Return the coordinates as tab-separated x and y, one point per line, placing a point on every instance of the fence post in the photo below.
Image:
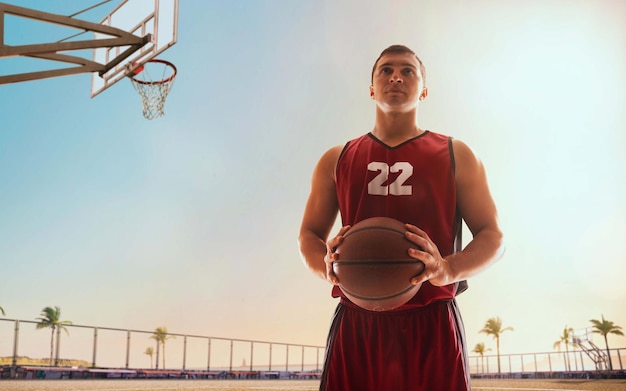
95	347
317	359
16	340
230	368
184	352
208	361
251	355
550	361
127	347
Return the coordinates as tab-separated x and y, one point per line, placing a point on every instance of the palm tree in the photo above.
149	352
160	336
493	327
480	349
50	318
604	328
2	311
565	337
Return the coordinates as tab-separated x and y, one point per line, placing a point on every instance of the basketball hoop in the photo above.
153	93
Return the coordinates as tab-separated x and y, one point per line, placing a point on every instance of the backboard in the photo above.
133	33
158	18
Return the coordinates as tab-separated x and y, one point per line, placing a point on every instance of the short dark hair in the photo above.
400	49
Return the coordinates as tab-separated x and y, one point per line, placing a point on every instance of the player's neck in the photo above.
396	128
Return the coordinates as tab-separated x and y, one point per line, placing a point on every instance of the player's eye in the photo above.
385	70
408	71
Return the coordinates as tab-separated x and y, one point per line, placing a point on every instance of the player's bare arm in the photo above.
319	217
478	209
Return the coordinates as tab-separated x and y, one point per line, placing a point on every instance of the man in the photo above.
430	182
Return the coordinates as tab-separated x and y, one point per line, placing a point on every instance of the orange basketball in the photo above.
374	268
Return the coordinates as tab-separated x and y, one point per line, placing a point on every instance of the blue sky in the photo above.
190	221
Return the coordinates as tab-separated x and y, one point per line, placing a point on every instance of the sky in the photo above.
190	220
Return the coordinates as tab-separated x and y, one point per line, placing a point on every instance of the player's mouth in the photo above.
395	91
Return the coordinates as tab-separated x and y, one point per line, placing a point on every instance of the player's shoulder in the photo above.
333	152
462	151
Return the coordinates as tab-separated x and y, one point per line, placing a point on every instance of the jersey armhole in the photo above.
339	158
451	151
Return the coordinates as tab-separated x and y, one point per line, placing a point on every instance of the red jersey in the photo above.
412	182
416	347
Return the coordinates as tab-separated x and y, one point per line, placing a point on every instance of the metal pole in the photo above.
230	368
302	363
550	361
208	360
127	347
184	352
95	347
270	357
317	359
16	340
582	362
287	359
251	354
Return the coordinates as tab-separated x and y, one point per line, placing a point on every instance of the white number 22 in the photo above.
397	187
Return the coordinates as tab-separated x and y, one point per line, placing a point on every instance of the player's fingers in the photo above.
331	245
329	259
415	229
419	279
332	277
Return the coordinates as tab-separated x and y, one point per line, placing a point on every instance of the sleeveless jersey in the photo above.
412	182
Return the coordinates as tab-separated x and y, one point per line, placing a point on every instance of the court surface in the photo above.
286	385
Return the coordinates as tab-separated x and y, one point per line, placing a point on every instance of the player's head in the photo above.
400	49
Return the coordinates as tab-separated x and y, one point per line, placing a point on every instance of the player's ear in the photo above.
372	92
424	93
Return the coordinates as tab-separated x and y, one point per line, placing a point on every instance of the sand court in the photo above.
288	385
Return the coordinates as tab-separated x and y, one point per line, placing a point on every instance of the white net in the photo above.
153	98
153	93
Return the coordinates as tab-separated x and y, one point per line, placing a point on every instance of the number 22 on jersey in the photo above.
379	186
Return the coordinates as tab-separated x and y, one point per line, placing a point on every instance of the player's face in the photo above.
397	83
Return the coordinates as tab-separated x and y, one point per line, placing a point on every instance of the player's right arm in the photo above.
319	217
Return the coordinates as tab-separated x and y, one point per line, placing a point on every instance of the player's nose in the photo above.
395	78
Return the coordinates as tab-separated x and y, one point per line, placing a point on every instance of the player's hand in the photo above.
437	269
331	254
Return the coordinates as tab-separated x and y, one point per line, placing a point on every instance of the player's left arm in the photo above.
478	209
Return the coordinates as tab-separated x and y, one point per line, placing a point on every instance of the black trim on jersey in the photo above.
451	149
461	286
339	159
399	145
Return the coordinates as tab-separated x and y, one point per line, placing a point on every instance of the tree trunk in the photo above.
608	352
51	346
498	348
56	355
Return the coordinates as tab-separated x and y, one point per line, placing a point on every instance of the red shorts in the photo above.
420	349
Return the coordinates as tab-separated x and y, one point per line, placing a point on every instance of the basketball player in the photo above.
430	182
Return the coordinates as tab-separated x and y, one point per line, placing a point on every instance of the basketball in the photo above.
374	268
